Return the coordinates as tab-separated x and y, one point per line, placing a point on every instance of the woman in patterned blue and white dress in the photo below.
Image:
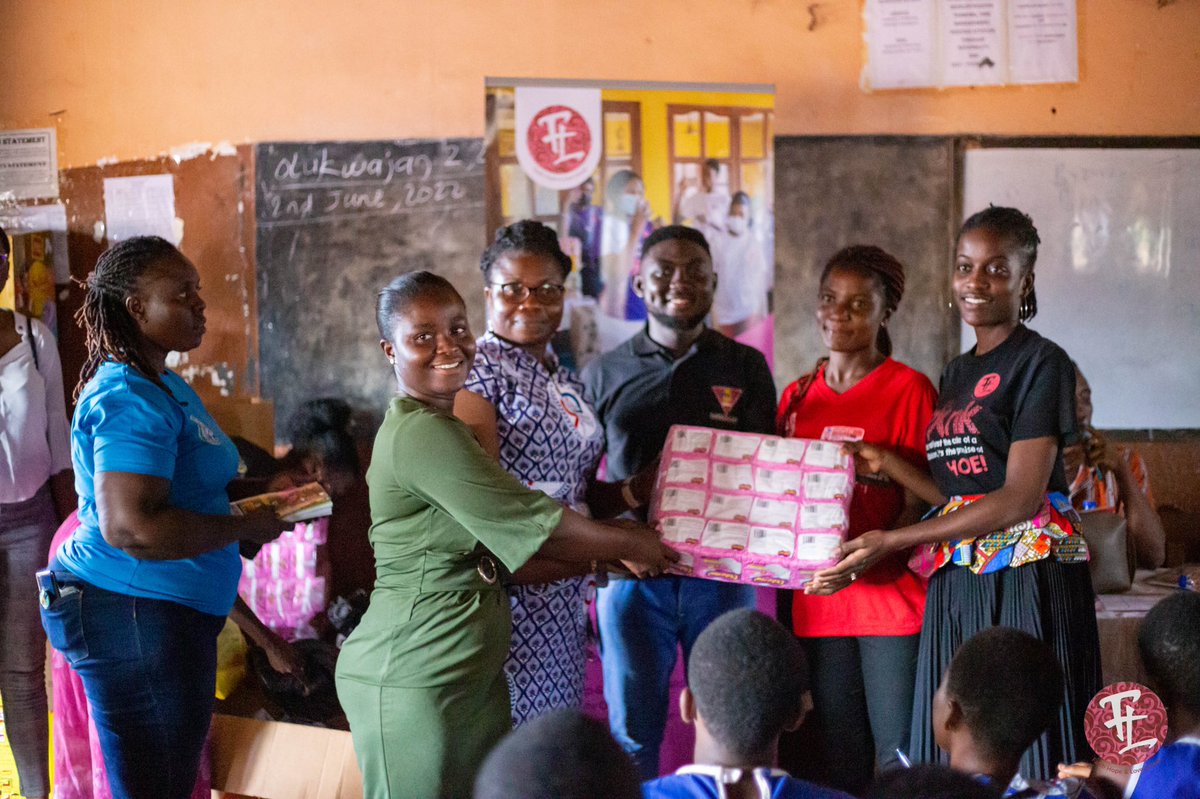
529	412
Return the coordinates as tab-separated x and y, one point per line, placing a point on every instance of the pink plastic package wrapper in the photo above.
749	508
284	585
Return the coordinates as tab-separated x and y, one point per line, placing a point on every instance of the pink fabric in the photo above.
761	337
78	762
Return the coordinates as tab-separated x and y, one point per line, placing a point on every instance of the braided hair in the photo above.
1016	227
879	264
525	236
111	333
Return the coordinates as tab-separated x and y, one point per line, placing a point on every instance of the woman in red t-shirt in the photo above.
861	642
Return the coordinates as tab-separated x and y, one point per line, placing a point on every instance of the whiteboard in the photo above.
1118	270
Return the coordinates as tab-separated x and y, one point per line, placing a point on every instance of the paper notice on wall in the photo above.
901	44
29	164
932	43
140	206
972	48
1043	41
34	218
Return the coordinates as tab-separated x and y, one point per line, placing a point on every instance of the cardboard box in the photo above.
273	760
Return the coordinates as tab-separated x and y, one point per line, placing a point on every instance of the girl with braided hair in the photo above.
1004	547
862	643
156	554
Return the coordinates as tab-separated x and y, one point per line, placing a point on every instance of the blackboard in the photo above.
335	222
894	192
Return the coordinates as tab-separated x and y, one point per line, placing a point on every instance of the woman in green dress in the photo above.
421	678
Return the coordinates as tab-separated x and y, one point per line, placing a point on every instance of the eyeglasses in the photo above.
547	293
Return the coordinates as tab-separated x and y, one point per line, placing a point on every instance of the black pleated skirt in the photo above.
1047	599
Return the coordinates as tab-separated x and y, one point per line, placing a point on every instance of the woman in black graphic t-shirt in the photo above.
994	444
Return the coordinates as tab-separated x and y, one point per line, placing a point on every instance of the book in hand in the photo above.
298	504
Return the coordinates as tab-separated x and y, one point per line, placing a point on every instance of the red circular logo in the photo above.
1125	723
559	139
986	385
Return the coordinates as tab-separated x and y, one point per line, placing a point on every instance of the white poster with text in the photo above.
29	164
948	43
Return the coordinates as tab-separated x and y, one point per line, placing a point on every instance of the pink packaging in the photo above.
283	584
748	508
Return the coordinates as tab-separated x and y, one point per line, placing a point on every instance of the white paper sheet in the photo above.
1043	41
29	164
140	206
943	43
973	47
900	44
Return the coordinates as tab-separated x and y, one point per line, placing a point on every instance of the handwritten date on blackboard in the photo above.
311	182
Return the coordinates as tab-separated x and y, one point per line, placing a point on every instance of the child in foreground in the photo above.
1169	641
1002	690
561	754
748	683
928	781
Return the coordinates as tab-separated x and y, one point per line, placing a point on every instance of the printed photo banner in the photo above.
605	163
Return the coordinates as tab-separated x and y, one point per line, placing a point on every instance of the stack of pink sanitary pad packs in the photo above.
755	509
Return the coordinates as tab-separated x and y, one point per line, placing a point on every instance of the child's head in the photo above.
929	782
323	444
747	683
560	755
975	699
1169	641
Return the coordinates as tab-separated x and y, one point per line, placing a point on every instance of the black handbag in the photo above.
1113	559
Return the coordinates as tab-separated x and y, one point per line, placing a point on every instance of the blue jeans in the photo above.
642	623
148	668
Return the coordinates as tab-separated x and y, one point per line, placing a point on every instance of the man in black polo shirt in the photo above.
676	371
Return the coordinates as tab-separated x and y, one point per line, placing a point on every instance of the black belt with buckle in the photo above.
488	570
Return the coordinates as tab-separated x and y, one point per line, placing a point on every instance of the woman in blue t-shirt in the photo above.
157	552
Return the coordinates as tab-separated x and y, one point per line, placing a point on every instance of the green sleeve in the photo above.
438	459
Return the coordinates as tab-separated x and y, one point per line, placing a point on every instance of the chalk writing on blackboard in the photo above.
312	182
337	220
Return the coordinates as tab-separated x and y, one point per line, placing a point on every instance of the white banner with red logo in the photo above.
558	134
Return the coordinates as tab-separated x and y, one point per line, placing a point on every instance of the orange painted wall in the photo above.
133	78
